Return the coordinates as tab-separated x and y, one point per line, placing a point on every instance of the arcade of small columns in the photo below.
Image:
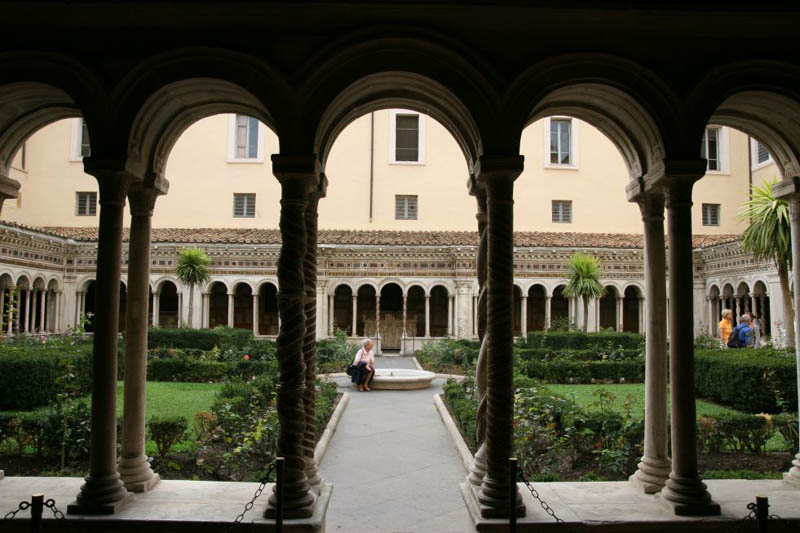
740	301
676	478
29	308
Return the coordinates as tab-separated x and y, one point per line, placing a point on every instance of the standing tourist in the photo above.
725	327
755	325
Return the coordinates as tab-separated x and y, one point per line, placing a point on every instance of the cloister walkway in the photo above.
393	464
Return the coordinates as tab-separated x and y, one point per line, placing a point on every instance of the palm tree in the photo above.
769	237
584	274
192	269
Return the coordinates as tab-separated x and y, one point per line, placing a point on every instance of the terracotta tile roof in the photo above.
533	239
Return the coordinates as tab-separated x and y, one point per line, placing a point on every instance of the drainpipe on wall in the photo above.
371	159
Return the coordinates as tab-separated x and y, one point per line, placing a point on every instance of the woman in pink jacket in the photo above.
365	366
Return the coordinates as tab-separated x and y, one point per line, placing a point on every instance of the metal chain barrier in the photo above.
249	505
535	494
51	504
21	507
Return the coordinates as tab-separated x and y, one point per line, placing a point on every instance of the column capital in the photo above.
490	168
9	188
301	172
143	199
787	189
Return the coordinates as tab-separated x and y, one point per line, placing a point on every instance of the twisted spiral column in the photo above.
478	468
298	497
494	492
310	342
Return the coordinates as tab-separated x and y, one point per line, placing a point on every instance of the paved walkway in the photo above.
393	465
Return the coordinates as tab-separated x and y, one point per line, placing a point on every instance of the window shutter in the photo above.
252	144
86	149
711	214
562	211
86	203
238	205
763	153
405	207
406	138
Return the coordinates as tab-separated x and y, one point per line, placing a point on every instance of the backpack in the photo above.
733	338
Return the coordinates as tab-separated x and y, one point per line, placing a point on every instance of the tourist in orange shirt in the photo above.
725	327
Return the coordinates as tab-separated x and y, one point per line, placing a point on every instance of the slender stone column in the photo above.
180	309
548	301
354	330
103	491
134	469
297	182
498	176
231	307
523	316
10	324
684	491
57	313
255	313
28	313
310	339
620	313
642	316
377	316
331	311
478	468
427	315
655	465
42	327
206	310
405	313
789	190
449	316
474	315
2	306
156	308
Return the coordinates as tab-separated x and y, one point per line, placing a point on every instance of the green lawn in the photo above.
584	396
170	399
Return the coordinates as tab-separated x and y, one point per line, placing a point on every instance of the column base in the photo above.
100	496
478	468
687	497
136	474
2	475
478	509
651	475
792	477
493	500
316	508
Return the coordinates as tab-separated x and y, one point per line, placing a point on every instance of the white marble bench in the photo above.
401	379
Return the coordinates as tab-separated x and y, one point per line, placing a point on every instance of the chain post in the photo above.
512	494
37	507
762	513
280	481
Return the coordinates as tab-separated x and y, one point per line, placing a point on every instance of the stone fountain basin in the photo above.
401	379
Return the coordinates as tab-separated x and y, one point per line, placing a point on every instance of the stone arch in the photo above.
439	309
387	281
343	308
608	311
238	282
217	303
159	283
37	89
368	71
632	308
242	305
268	321
761	302
366	297
537	307
264	282
23	280
212	282
415	325
38	283
760	98
168	302
165	93
54	283
559	308
391	315
632	106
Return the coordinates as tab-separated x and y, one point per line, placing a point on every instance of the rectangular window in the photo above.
86	204
560	141
762	154
710	148
86	150
711	214
406	138
405	207
246	137
562	210
244	205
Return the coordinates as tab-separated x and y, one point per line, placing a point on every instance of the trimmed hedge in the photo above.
28	374
570	371
550	354
755	381
200	371
201	339
583	341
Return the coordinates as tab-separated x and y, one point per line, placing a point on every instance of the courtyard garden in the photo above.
579	405
210	404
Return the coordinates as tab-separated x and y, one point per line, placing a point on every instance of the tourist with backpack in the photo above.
742	334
